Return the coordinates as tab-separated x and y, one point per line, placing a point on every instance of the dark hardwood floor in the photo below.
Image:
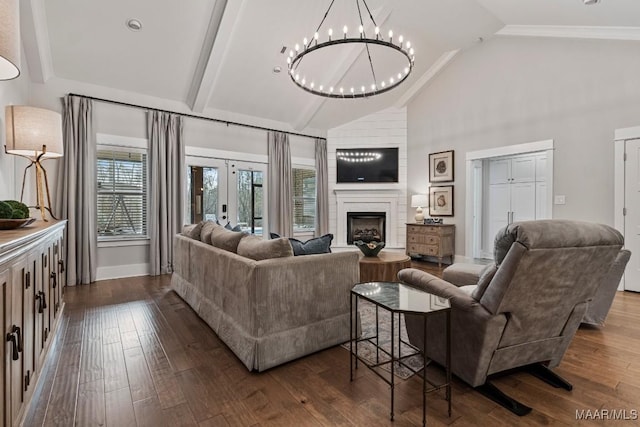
130	352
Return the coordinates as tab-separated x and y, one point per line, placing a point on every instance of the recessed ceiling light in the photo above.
134	24
277	69
591	1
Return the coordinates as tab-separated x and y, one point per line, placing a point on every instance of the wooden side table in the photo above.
435	240
384	267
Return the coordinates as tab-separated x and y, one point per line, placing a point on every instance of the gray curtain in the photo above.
76	193
322	188
166	171
280	184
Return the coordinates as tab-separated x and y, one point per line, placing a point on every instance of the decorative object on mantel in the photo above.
431	221
441	166
398	60
419	201
441	200
9	39
36	135
369	249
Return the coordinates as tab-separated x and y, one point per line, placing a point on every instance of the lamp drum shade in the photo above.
419	201
9	39
31	128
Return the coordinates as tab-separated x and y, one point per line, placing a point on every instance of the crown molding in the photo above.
433	71
574	32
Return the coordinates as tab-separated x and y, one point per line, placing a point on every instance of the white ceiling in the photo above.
220	54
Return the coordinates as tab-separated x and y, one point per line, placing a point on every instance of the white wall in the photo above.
512	90
129	259
387	128
12	92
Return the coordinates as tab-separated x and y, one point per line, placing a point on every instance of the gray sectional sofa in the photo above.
268	310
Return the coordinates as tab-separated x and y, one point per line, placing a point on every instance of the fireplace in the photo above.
366	226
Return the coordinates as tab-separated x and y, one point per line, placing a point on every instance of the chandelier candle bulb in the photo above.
390	36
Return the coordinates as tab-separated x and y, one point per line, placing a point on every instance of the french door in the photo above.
228	191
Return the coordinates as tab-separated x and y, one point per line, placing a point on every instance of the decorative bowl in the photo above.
9	224
369	249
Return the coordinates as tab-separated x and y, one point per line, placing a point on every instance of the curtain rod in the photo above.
193	116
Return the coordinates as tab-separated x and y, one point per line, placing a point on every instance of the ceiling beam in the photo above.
214	49
433	71
35	38
575	32
343	63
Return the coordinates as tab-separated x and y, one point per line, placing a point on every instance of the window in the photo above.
304	199
250	200
122	192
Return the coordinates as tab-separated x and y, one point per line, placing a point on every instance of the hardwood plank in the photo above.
119	408
114	367
164	379
91	360
91	404
179	416
149	413
201	402
140	382
217	421
62	402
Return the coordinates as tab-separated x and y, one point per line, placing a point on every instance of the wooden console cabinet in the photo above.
32	280
436	240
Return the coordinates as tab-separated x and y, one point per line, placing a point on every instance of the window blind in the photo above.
121	192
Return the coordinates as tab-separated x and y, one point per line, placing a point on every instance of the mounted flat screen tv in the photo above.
367	165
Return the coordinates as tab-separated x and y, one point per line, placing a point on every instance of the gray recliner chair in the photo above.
524	312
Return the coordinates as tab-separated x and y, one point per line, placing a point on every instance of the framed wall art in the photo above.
441	200
441	166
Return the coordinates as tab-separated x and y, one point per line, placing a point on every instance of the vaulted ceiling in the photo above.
220	55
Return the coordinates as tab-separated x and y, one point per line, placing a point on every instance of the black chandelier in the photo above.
372	86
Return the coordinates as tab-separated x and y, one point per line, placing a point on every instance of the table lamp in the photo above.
35	134
418	201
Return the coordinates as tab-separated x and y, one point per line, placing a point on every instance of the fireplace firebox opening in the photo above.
366	226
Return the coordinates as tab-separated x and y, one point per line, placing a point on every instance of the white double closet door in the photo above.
517	191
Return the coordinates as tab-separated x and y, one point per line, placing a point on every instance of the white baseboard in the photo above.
120	271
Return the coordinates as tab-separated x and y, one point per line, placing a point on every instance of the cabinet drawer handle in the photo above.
11	337
27	281
61	264
54	280
42	301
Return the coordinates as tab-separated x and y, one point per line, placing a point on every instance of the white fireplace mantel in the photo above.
367	200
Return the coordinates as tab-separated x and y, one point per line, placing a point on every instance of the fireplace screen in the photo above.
365	226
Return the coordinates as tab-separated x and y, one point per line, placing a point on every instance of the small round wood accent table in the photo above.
384	267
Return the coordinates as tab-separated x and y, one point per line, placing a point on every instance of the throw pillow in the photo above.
256	248
207	229
317	245
229	227
195	231
502	244
187	228
225	239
